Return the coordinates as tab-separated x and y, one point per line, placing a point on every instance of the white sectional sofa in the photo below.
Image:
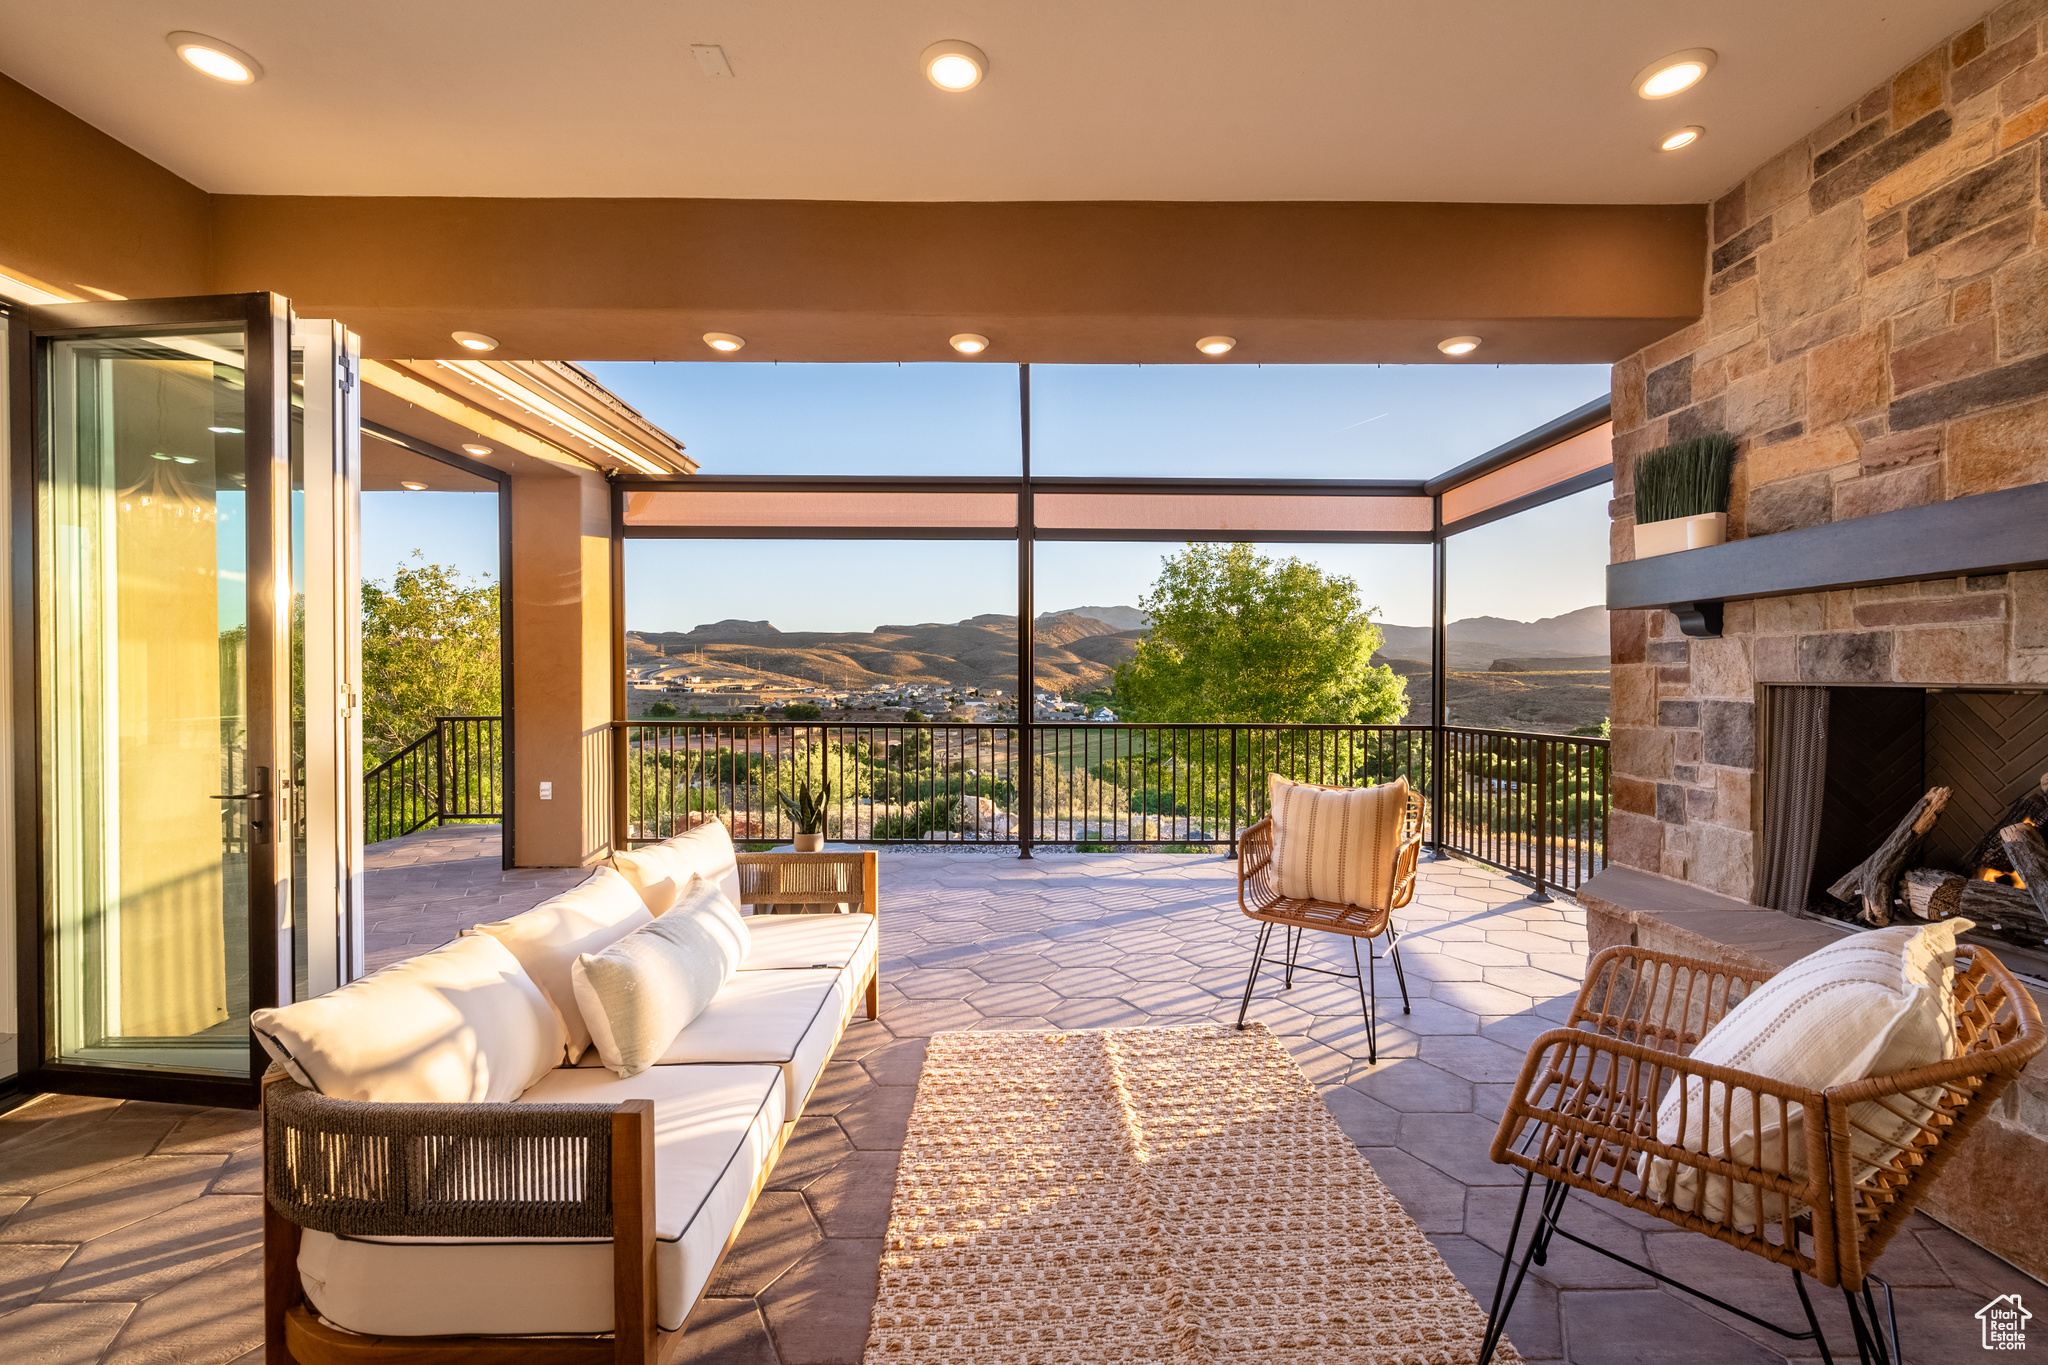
437	1183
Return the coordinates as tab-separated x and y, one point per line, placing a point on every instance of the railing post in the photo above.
1233	791
440	770
1026	784
1542	789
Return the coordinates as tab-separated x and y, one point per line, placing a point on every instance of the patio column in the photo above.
561	704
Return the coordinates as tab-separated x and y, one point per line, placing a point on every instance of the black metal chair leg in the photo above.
1812	1319
1367	1004
1505	1292
1294	937
1251	977
1891	1313
1394	951
1871	1348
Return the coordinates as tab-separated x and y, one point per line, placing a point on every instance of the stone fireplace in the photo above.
1874	334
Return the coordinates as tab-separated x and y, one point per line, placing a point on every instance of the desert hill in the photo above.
1551	673
1123	618
1476	641
1074	652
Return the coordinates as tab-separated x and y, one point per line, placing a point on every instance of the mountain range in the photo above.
1076	648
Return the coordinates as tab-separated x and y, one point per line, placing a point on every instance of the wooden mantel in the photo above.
1981	534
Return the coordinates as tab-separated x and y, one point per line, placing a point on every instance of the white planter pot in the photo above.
1681	533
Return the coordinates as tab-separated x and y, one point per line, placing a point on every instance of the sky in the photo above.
1306	421
447	528
1226	421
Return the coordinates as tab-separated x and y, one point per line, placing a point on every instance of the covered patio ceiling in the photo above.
1209	101
574	183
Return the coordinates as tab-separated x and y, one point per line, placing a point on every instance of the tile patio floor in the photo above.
128	1232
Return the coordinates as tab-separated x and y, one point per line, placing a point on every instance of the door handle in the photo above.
258	797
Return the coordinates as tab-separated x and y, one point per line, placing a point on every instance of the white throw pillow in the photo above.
549	938
461	1023
1336	844
659	871
643	990
1874	1004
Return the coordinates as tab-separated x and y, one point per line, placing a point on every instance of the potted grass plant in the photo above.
1681	495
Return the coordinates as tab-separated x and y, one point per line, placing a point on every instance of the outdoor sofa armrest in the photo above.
355	1168
819	879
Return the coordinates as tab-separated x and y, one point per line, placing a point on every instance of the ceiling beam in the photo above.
643	279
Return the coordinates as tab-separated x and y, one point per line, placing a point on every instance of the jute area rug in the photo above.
1157	1194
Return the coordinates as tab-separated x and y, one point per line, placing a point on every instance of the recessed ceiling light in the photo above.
215	58
1458	345
1681	139
724	341
476	449
1680	71
474	341
953	65
1215	345
968	343
408	483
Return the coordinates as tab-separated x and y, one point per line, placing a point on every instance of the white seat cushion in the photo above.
714	1127
463	1022
848	943
660	871
791	1019
547	940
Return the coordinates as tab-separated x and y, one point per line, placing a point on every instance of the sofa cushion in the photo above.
660	871
714	1130
1336	844
641	991
463	1022
791	1019
549	938
1871	1005
846	943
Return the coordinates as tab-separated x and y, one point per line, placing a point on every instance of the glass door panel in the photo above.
154	478
144	618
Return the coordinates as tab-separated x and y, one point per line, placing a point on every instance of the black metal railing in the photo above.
1535	805
451	774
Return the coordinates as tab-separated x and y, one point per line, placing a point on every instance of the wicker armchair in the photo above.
1258	895
1584	1117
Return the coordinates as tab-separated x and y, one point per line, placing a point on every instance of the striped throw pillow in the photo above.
1336	843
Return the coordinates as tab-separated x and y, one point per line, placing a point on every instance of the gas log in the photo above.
2029	858
2032	808
1871	882
2005	911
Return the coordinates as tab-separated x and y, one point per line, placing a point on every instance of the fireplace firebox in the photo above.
1844	765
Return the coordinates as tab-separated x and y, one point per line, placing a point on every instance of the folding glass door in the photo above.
162	726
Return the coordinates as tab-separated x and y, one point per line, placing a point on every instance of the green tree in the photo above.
1237	636
430	648
661	710
803	710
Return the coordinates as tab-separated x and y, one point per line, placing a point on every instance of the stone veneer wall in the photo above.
1875	334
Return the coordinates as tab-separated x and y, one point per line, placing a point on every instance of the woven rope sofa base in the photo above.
1150	1194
